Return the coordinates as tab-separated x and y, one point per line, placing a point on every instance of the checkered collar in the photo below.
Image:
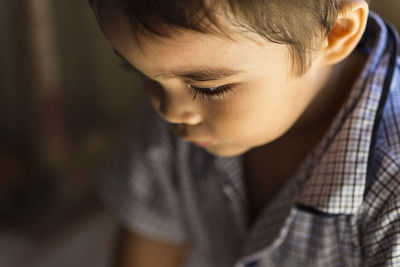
336	177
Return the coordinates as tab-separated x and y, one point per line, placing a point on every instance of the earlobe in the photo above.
346	33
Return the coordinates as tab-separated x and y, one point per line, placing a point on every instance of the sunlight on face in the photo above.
226	95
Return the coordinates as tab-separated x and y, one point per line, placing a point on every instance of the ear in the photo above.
346	32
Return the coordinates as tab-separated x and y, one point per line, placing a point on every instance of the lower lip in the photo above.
202	144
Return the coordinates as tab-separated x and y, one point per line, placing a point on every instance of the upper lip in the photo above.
183	133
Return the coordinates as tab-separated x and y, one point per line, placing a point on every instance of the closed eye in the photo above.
211	93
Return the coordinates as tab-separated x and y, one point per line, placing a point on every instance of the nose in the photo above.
179	108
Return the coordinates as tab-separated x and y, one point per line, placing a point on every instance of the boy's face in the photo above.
253	98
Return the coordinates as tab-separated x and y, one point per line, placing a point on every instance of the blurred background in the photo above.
64	106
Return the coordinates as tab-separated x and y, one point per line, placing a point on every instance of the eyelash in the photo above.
212	93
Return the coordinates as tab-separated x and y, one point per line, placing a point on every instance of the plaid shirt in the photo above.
341	208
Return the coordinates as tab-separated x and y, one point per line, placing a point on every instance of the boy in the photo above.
279	143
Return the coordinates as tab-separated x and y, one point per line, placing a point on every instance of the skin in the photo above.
269	116
265	100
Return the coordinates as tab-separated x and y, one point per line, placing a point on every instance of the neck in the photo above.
334	89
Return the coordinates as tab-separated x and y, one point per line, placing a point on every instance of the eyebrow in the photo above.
200	75
207	74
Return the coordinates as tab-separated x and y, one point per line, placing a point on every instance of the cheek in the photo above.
256	114
237	116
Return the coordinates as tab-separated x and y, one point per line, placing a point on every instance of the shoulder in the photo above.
142	160
381	210
381	206
150	139
384	191
384	187
389	129
138	182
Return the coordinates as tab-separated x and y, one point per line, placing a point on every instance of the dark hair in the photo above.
297	23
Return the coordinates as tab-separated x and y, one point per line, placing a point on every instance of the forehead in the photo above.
183	49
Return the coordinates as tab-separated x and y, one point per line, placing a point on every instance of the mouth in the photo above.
183	134
198	143
202	144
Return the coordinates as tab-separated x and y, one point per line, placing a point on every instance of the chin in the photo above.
226	151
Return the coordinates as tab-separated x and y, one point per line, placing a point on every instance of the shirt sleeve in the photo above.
138	183
381	238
